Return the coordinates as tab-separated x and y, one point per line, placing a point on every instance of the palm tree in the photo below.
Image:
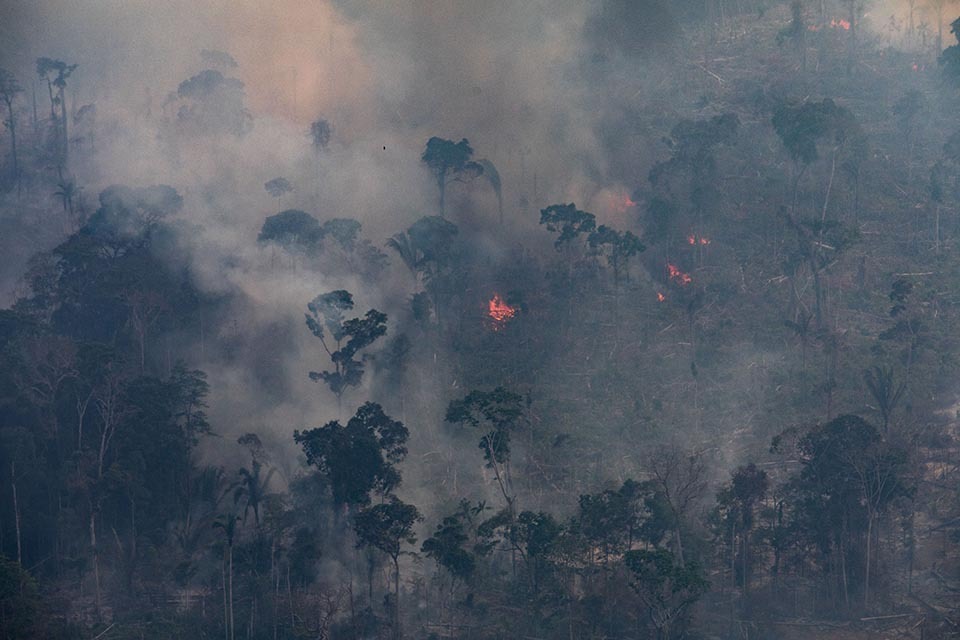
228	523
402	244
66	190
885	391
253	488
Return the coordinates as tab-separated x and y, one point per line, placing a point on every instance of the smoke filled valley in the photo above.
439	319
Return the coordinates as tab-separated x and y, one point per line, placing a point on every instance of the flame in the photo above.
660	297
621	203
500	312
840	24
681	278
691	240
695	240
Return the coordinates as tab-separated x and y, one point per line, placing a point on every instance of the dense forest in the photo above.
603	320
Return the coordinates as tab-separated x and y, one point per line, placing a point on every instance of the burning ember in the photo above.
695	240
681	278
499	312
660	297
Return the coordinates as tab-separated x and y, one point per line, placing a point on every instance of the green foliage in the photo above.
358	457
326	311
802	126
449	161
666	587
292	228
21	607
448	544
387	526
950	57
568	221
499	411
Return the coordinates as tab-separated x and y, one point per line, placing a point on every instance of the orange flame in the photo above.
840	24
660	297
694	240
681	278
621	203
500	312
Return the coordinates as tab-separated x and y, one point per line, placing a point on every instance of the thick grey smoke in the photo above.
387	76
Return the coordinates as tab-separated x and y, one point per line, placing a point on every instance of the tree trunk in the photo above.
13	141
96	556
226	607
66	138
396	598
230	586
866	577
16	511
442	185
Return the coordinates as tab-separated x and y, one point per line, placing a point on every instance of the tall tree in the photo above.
56	73
277	188
326	320
498	413
358	457
9	88
450	162
387	526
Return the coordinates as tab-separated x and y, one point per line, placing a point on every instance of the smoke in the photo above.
548	91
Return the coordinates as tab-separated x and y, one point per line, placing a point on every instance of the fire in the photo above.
500	312
621	203
835	24
693	240
660	297
681	278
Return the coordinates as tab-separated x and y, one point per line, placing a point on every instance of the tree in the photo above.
21	612
680	478
358	457
493	177
450	162
950	57
617	246
447	545
344	231
499	413
277	188
326	316
292	229
737	504
252	488
568	221
210	103
56	73
228	524
320	133
666	586
9	88
849	477
887	394
387	526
